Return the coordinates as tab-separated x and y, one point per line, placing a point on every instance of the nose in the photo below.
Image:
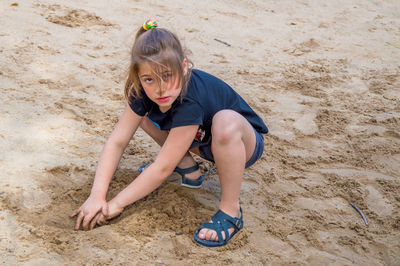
161	88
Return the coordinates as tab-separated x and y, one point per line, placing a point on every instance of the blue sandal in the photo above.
220	222
185	182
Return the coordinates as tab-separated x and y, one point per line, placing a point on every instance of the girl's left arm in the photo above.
176	145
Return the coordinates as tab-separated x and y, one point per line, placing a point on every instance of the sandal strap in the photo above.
142	167
221	216
183	171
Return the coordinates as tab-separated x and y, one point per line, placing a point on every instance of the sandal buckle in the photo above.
238	223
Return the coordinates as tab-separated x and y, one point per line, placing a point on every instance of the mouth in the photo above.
163	99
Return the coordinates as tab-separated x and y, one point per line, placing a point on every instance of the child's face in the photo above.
162	90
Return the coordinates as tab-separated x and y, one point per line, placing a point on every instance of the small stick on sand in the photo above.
360	212
391	44
227	44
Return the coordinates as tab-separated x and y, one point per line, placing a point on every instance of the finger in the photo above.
86	221
93	222
104	210
79	220
75	212
101	219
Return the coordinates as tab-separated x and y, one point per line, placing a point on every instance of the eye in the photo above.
148	80
166	76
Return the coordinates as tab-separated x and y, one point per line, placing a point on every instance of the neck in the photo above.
164	109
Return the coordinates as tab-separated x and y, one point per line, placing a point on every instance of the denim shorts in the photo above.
205	150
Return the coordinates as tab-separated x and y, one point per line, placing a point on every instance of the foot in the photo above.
219	231
209	234
186	164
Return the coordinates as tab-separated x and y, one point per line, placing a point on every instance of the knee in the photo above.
225	127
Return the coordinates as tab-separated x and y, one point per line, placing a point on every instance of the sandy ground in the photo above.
324	75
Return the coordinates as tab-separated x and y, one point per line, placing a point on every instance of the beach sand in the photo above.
324	76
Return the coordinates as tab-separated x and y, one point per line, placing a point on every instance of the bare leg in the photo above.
160	136
233	144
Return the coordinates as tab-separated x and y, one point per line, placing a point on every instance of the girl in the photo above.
182	109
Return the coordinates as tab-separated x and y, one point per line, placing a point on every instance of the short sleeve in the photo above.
139	105
188	113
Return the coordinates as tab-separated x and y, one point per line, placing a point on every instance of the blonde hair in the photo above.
162	50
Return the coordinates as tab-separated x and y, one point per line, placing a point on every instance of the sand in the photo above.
323	75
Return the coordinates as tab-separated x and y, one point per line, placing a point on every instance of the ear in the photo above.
185	66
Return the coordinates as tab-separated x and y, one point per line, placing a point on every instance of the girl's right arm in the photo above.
108	162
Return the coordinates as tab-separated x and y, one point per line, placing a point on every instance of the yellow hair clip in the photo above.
150	24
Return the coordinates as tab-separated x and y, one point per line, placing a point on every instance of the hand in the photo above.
113	210
88	211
